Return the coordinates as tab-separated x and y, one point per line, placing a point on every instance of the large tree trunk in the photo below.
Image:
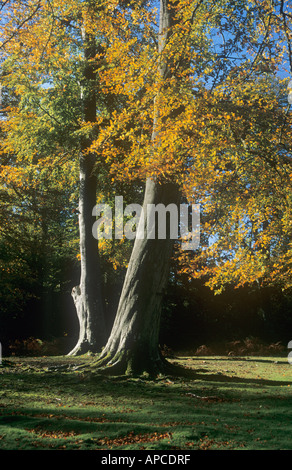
88	296
133	346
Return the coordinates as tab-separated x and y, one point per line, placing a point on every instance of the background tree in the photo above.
48	81
39	244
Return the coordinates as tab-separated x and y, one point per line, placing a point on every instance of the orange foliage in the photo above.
224	133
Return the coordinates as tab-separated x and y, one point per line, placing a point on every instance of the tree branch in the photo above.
22	23
286	31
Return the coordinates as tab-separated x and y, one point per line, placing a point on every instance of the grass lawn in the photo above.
222	403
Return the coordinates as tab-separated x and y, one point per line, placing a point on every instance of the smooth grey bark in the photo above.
133	346
88	296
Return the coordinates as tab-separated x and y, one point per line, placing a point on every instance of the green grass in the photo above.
222	403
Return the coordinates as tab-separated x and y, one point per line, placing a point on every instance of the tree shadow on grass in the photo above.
179	371
172	369
84	409
269	360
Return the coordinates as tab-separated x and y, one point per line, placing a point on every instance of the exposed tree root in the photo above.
123	364
82	348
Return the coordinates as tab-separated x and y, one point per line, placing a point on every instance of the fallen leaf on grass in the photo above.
178	423
206	443
209	399
132	438
52	434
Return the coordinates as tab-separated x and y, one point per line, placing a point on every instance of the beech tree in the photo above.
133	346
194	113
207	132
88	296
